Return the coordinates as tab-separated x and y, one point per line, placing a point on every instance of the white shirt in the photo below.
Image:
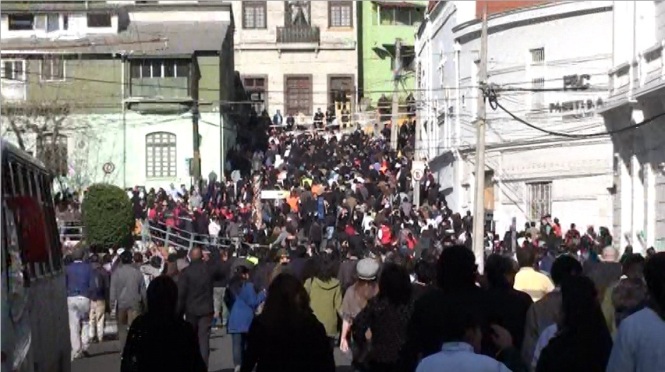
543	340
639	345
214	228
460	357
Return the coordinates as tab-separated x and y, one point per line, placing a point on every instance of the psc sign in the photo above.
417	174
108	168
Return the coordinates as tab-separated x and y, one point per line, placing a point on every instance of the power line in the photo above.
493	102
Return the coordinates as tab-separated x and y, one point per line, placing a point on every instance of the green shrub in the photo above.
107	217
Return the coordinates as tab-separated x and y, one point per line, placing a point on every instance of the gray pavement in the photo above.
105	356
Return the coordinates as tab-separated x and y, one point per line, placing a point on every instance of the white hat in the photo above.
367	269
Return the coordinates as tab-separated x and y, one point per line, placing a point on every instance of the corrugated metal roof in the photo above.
140	38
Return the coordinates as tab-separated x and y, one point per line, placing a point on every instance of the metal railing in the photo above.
307	34
167	236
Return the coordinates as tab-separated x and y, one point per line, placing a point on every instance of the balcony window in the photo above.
340	13
52	69
99	20
160	77
160	152
254	15
257	89
21	22
13	70
399	16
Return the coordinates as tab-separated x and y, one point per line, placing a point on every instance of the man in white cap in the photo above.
357	295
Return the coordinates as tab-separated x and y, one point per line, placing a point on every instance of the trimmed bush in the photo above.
107	217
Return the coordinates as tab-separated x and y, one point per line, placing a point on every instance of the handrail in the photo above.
171	237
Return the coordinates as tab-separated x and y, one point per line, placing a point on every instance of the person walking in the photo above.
80	281
98	296
195	297
128	294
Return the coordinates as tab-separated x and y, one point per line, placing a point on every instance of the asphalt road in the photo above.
105	356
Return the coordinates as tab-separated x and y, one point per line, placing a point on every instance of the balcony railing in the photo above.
13	90
172	87
305	35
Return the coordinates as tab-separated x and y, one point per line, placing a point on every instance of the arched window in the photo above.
160	155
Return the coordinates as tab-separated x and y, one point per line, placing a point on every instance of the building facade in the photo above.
634	115
542	77
296	56
380	24
110	92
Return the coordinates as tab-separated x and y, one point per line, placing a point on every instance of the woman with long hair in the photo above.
582	341
287	336
242	299
158	340
383	322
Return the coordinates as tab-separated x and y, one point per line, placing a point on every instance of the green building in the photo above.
381	23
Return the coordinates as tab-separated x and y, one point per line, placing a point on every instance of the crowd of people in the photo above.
349	261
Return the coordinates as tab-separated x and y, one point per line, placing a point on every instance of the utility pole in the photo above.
196	139
394	128
417	156
479	215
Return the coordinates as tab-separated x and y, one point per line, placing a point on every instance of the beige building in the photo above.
296	56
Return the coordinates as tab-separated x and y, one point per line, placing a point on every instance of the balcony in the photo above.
644	75
13	90
168	88
298	35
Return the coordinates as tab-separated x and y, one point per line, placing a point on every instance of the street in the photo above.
105	357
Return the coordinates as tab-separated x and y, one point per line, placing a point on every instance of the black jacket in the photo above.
195	285
302	348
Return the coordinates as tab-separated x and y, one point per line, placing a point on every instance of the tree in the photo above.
107	217
41	128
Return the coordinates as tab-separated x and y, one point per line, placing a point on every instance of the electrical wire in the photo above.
494	103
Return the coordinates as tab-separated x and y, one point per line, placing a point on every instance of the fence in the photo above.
166	236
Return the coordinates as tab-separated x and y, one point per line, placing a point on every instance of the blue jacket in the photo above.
244	307
80	279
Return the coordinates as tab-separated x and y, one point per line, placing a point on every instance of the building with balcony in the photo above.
544	75
634	113
297	56
380	24
115	89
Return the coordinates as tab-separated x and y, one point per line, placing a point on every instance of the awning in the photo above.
399	4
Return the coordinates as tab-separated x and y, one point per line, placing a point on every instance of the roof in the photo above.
140	38
400	4
9	7
182	38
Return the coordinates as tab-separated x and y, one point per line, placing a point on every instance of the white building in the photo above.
637	95
127	79
294	56
546	73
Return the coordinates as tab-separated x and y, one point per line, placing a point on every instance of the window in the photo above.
52	68
298	95
53	153
539	199
157	68
52	22
340	13
254	15
256	88
21	22
538	95
297	13
399	16
99	20
160	154
340	89
13	70
537	56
